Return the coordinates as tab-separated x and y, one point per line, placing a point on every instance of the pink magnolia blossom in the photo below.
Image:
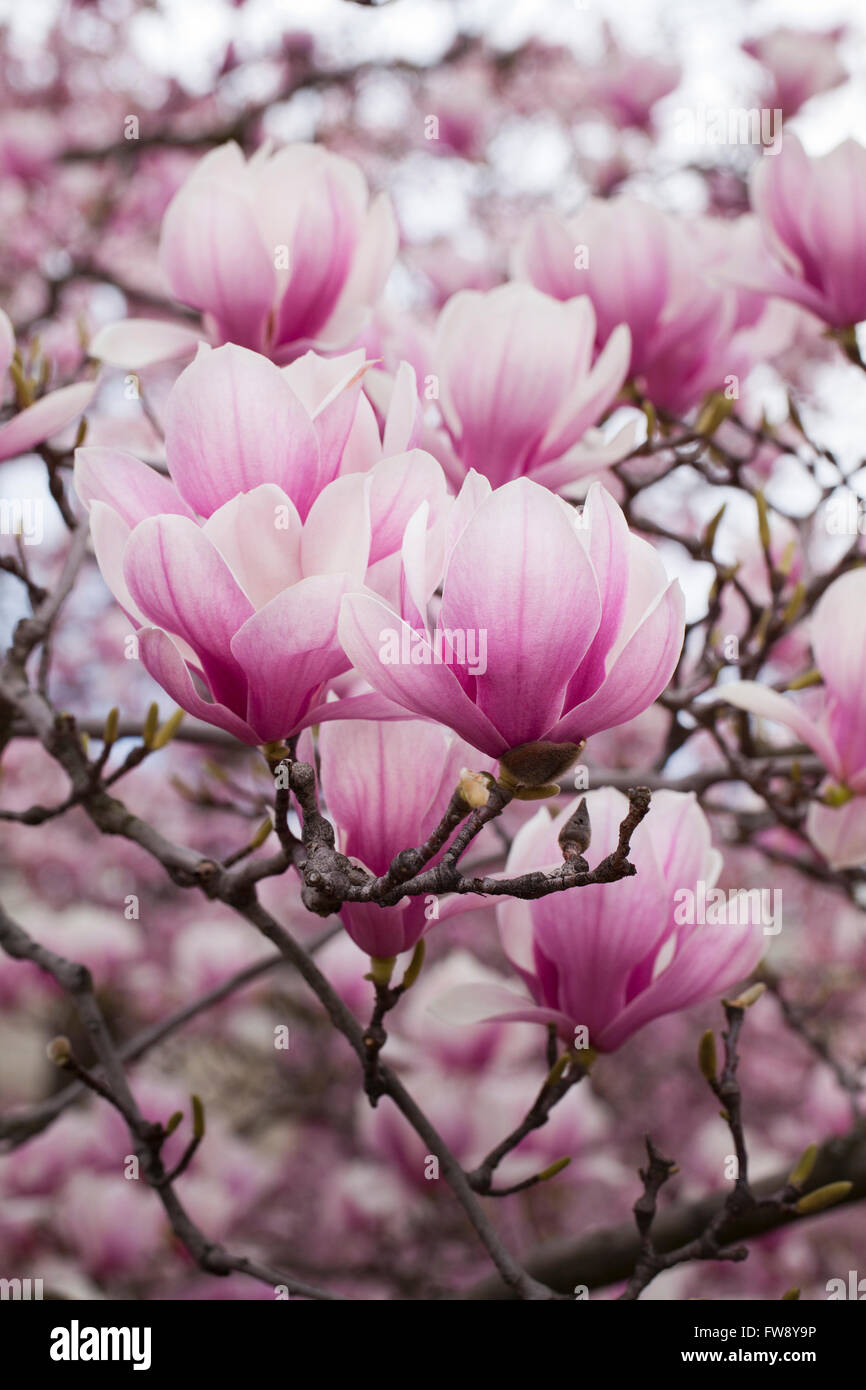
519	394
386	786
29	143
417	1033
801	63
612	957
838	734
234	569
112	1226
283	252
640	267
761	328
552	626
812	212
626	86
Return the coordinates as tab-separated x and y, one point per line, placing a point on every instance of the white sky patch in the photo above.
529	156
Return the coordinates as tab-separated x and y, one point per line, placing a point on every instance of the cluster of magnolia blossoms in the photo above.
278	556
336	546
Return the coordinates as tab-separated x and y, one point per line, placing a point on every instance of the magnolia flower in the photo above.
626	86
800	62
609	958
386	787
47	416
233	571
646	269
112	1227
518	391
813	215
281	253
837	826
553	625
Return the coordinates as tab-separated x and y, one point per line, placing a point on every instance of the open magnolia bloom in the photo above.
813	215
553	625
837	827
800	64
234	570
519	393
281	253
641	267
608	958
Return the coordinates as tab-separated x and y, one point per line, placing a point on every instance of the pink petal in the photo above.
136	343
592	397
336	535
334	418
45	418
520	574
110	534
324	223
769	704
839	832
258	534
233	422
483	1003
214	259
374	256
180	580
637	676
706	965
595	937
162	659
838	633
403	417
431	690
287	650
399	486
379	780
129	486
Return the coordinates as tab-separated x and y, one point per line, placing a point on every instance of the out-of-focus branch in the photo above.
75	980
21	1125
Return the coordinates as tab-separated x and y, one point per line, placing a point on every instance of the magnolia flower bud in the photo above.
59	1051
802	1169
749	996
575	835
474	787
707	1055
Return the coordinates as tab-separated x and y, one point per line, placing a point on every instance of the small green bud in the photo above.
547	1173
197	1118
803	1167
707	1055
109	733
822	1198
749	996
151	724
